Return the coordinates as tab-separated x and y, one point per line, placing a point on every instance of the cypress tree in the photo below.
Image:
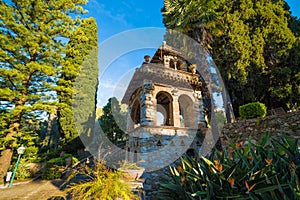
78	77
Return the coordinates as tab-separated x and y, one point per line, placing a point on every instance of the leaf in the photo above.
281	149
171	186
228	173
199	193
268	188
263	141
207	161
176	172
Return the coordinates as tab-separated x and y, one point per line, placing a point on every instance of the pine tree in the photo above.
33	34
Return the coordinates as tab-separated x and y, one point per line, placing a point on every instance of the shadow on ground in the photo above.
35	189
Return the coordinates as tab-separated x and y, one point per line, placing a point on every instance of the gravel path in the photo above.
35	190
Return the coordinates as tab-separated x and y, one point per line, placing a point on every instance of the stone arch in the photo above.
186	111
135	113
164	107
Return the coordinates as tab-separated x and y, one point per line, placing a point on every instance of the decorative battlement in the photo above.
169	73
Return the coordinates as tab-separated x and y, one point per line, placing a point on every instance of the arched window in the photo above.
164	109
186	111
136	112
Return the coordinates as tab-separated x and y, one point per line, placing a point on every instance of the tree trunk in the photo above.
6	155
5	159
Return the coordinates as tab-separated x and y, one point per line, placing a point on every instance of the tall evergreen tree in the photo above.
81	58
256	41
251	47
32	49
113	121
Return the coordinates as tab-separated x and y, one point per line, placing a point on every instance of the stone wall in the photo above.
239	131
276	125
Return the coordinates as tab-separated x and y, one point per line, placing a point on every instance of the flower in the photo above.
218	166
179	168
239	144
268	161
230	156
250	158
248	187
231	181
293	166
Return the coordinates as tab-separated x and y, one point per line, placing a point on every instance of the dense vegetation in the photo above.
100	183
113	121
254	43
48	81
83	43
267	170
42	48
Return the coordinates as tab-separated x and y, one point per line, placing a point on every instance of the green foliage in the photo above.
197	18
80	65
22	170
55	167
52	171
113	121
252	110
254	43
221	120
269	170
49	154
101	183
33	36
31	154
253	50
128	165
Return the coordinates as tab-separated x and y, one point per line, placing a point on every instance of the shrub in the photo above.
264	171
22	171
31	154
129	165
252	110
56	166
52	171
101	183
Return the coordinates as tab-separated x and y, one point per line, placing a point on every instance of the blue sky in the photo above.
114	17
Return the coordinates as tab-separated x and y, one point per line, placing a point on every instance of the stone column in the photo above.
129	120
176	113
199	111
147	106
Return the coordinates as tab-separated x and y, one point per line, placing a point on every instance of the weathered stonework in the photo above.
276	125
165	113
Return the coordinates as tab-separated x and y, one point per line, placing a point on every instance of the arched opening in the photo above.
135	158
164	109
186	111
136	113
